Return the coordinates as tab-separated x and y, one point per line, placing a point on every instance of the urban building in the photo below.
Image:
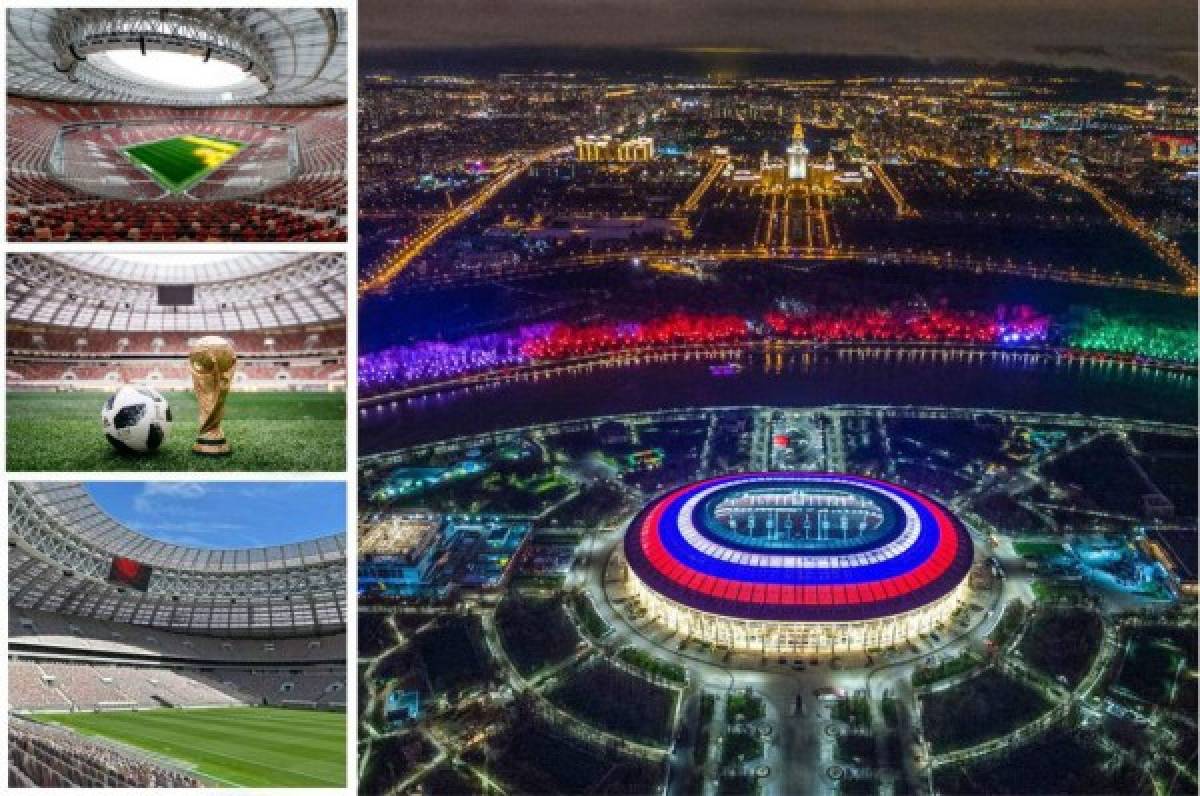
601	148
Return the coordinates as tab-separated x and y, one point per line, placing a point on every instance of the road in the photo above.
396	261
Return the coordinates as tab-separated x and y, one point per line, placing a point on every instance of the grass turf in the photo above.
179	163
269	432
1038	549
247	747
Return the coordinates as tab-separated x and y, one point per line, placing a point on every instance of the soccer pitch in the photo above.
269	431
243	747
179	163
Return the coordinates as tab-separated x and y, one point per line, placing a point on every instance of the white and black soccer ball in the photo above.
136	419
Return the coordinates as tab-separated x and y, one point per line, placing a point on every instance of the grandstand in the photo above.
105	147
43	756
249	635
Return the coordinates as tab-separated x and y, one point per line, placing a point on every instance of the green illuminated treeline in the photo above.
1135	335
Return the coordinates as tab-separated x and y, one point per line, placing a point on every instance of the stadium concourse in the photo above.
104	620
102	147
89	321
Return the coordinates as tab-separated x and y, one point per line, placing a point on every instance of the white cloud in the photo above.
150	500
200	533
189	490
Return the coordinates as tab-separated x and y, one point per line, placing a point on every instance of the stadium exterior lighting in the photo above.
803	563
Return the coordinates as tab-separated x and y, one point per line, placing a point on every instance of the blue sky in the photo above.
225	514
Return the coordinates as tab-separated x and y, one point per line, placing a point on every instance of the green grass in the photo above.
247	747
749	707
269	432
671	672
1055	590
585	611
1038	549
963	663
179	163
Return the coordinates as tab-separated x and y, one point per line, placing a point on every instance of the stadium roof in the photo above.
100	293
915	554
282	56
174	269
62	546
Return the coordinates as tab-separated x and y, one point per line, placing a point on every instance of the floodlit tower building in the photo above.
797	154
603	148
593	148
636	150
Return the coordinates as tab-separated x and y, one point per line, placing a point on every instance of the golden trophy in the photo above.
213	360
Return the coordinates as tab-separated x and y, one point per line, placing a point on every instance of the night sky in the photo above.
1142	36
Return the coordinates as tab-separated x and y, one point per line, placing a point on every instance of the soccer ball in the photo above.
136	419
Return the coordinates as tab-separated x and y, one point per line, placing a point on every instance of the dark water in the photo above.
1085	389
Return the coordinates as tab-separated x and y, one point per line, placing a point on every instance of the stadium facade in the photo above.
807	563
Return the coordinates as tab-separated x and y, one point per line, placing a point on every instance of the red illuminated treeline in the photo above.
571	340
1005	325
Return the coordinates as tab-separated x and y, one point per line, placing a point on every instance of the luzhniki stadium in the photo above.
813	563
172	124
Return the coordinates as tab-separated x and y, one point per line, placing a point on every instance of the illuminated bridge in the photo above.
804	256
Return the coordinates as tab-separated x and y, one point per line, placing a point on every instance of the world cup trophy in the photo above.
212	360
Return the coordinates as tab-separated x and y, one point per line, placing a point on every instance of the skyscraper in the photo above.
797	154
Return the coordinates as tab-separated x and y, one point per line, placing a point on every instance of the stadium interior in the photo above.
89	321
176	628
102	147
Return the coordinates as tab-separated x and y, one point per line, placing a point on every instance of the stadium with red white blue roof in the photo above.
814	563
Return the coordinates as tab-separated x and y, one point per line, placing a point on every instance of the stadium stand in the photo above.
40	685
88	321
73	115
41	756
29	689
46	631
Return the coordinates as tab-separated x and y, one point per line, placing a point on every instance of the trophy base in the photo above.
212	447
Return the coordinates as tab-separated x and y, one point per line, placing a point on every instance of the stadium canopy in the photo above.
62	547
234	56
101	293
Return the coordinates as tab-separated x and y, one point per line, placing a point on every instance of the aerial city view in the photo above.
751	402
